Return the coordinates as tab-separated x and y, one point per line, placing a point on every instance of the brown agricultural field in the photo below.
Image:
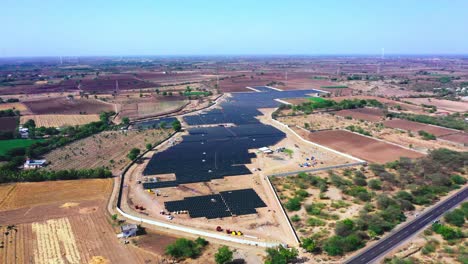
62	105
359	146
415	127
368	114
62	222
15	106
442	105
461	138
59	120
106	149
8	124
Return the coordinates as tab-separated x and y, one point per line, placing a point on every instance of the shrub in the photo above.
183	248
280	255
224	255
456	217
447	232
309	244
315	222
344	228
375	184
293	204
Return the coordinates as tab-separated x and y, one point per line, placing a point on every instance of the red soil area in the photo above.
62	105
415	127
8	124
368	114
461	138
361	147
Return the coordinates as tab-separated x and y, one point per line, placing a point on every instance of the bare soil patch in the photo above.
62	105
8	124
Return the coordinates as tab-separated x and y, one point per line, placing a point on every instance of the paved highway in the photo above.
389	242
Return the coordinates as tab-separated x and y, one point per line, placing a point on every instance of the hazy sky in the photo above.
202	27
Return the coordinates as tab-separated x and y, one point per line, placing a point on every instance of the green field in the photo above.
6	145
196	93
316	99
334	86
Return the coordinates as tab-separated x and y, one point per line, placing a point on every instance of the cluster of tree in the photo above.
16	156
450	121
184	248
9	112
9	100
309	107
8	175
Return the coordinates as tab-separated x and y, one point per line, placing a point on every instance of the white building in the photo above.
34	164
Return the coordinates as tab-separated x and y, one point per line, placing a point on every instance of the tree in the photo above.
176	125
149	146
224	255
125	120
280	255
134	152
30	124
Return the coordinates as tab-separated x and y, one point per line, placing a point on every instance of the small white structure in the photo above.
24	132
266	150
34	164
129	230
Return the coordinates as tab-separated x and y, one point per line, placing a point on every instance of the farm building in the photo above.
129	230
34	164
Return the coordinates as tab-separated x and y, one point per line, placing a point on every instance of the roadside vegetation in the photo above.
340	211
443	242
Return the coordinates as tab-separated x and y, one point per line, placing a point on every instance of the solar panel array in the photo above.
215	152
224	204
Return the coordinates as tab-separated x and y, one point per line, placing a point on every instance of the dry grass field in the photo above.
62	222
20	195
60	120
16	106
106	149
